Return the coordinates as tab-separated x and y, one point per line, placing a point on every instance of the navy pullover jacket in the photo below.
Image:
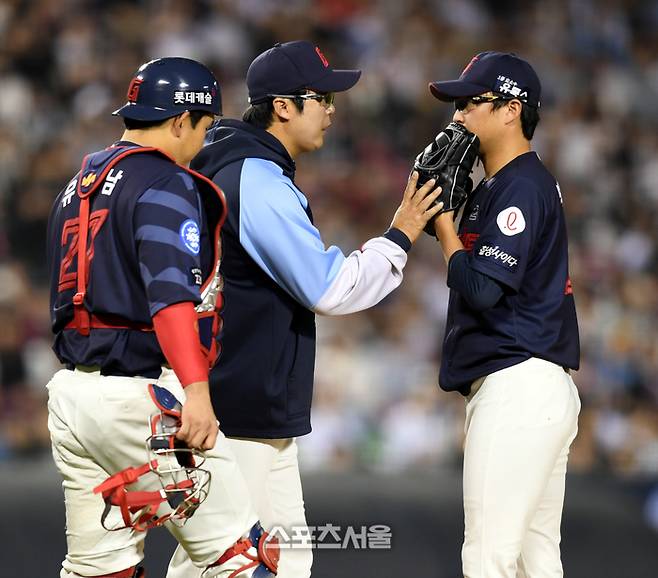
262	385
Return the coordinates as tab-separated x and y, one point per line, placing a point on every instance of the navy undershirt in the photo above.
480	291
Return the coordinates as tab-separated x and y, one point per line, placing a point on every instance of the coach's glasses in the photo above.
463	103
326	99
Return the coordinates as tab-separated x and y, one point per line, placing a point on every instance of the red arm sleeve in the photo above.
176	328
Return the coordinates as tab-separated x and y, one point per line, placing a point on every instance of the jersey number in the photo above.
70	235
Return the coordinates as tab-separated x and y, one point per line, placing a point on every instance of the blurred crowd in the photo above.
65	65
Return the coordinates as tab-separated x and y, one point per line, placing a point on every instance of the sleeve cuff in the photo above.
399	238
457	260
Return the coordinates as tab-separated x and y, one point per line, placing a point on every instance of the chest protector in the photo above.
95	168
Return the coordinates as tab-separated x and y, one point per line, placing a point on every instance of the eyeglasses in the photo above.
462	103
326	99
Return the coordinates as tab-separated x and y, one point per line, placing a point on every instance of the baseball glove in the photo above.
449	159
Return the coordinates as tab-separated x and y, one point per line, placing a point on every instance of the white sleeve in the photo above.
365	277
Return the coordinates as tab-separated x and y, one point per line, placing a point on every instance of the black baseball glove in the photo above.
449	159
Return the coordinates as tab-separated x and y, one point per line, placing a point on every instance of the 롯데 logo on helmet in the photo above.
133	89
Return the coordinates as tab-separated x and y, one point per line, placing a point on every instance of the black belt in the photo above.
88	368
151	374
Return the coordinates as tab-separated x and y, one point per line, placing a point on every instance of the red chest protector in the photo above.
90	179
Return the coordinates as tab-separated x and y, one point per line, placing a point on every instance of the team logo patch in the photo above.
499	256
88	179
190	234
511	221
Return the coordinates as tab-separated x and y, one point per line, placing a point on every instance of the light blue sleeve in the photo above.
277	233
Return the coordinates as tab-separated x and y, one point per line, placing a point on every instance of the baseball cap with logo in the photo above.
502	73
293	66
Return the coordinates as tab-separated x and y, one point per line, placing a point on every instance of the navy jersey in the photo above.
514	231
148	248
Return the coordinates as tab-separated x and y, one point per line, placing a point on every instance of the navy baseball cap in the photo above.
502	73
293	66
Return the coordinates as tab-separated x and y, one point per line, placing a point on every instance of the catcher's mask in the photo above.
177	469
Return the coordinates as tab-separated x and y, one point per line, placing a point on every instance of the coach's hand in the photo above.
417	207
199	424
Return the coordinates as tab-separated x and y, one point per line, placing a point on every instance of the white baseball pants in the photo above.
271	470
98	426
520	422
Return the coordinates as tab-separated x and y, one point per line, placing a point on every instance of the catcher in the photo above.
133	251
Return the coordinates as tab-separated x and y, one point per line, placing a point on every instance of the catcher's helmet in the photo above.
168	87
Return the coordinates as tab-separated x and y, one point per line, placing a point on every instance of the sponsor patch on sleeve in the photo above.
499	257
511	221
190	234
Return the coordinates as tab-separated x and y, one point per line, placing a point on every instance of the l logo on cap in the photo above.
325	62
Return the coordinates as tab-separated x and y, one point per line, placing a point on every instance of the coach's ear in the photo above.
282	108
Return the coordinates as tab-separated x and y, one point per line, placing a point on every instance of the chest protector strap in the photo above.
88	183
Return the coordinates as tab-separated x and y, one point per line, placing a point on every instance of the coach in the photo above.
278	275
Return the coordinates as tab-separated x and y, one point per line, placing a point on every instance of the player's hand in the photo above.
199	424
417	207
